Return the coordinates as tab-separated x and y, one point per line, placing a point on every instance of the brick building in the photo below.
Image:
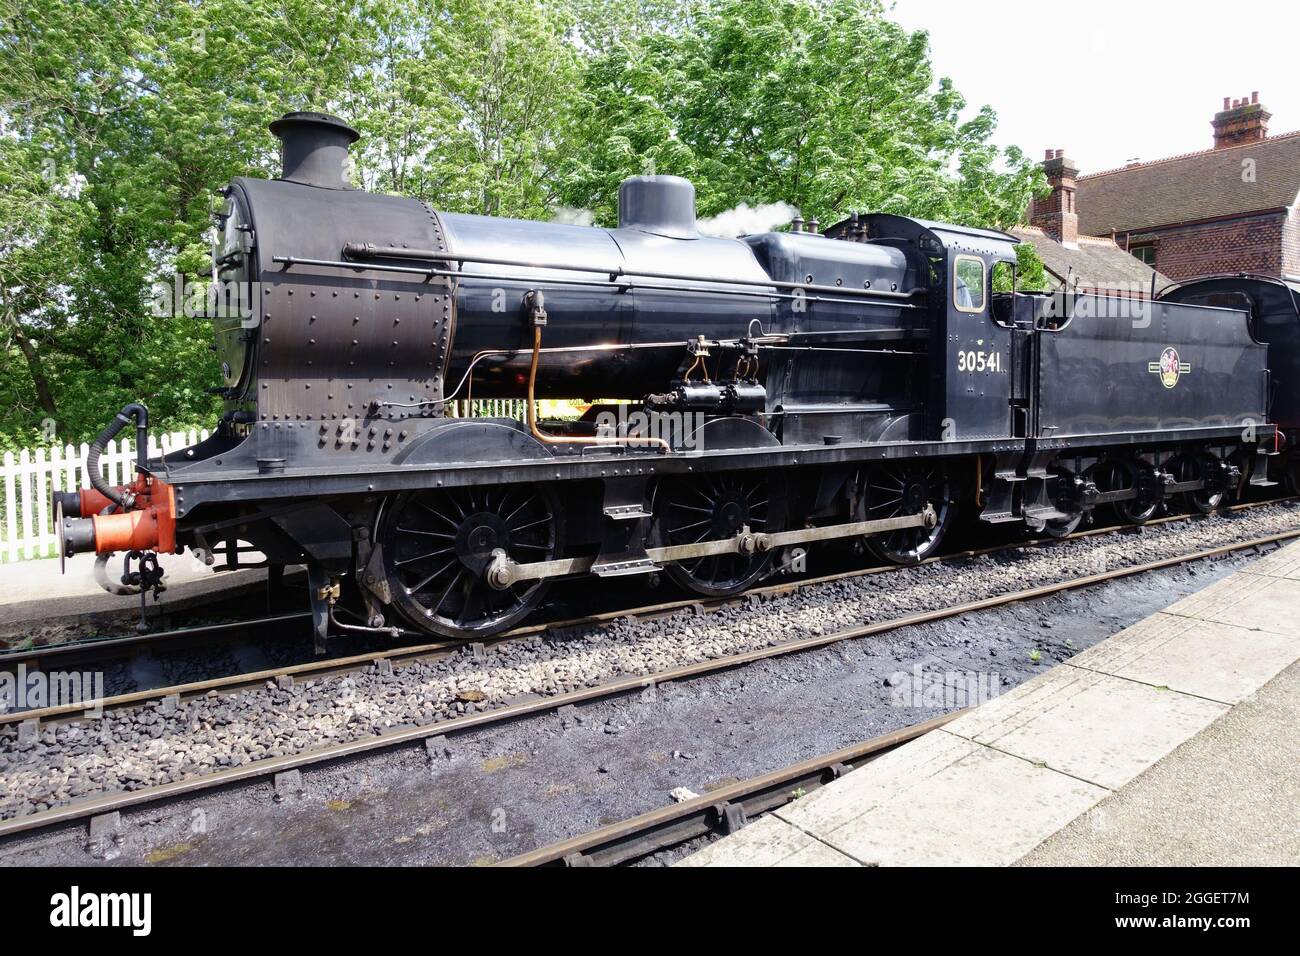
1232	208
1088	263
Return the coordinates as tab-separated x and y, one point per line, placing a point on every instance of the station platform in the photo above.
35	590
1172	742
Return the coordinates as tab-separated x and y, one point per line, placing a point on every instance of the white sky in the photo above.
1111	80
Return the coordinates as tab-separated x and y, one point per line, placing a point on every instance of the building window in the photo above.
1146	254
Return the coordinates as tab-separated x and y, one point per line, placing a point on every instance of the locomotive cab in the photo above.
969	390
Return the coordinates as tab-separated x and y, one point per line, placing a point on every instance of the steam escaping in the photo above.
740	220
744	220
572	216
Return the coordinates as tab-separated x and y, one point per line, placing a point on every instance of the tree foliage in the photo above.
130	115
1030	273
120	119
825	105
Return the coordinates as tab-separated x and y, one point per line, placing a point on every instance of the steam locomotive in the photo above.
751	397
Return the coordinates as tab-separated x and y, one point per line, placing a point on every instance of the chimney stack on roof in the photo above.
1055	213
1240	121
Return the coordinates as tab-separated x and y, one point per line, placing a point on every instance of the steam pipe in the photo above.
840	297
355	249
546	439
536	304
123	498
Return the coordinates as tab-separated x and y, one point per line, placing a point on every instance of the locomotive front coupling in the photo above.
138	516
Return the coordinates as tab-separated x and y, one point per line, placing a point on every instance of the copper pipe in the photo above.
466	382
546	439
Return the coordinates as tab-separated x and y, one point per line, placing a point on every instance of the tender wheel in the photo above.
1291	474
1119	475
438	542
1063	527
891	489
1193	468
692	510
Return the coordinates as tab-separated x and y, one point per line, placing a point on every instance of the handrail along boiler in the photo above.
760	395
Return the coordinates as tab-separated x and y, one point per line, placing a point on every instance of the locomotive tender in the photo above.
800	387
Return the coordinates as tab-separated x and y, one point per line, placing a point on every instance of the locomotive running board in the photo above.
502	572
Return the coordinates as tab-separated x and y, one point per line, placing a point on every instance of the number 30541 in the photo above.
979	361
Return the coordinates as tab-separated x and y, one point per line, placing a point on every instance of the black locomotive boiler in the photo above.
760	395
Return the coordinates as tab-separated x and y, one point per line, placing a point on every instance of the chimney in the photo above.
314	149
1055	213
663	205
1240	121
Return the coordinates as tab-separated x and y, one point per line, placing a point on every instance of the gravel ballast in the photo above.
149	745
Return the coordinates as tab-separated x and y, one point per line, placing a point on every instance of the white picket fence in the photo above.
488	408
27	521
32	474
516	408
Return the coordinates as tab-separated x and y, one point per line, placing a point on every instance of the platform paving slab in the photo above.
1218	662
1230	796
1052	754
982	807
1257	602
817	853
1095	727
1283	563
771	841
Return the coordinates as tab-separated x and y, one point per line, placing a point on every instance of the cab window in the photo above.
968	284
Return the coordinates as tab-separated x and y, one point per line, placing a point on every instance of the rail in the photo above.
408	735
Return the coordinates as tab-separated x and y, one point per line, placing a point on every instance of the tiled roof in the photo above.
1096	264
1194	186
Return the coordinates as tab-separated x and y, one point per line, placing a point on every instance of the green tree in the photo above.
40	225
148	107
121	119
826	105
485	88
1031	275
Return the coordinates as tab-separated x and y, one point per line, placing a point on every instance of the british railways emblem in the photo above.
1169	368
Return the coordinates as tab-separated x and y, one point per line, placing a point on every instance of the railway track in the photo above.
272	768
126	643
435	650
721	811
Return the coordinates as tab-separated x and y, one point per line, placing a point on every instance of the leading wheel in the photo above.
1063	527
697	509
437	544
893	489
